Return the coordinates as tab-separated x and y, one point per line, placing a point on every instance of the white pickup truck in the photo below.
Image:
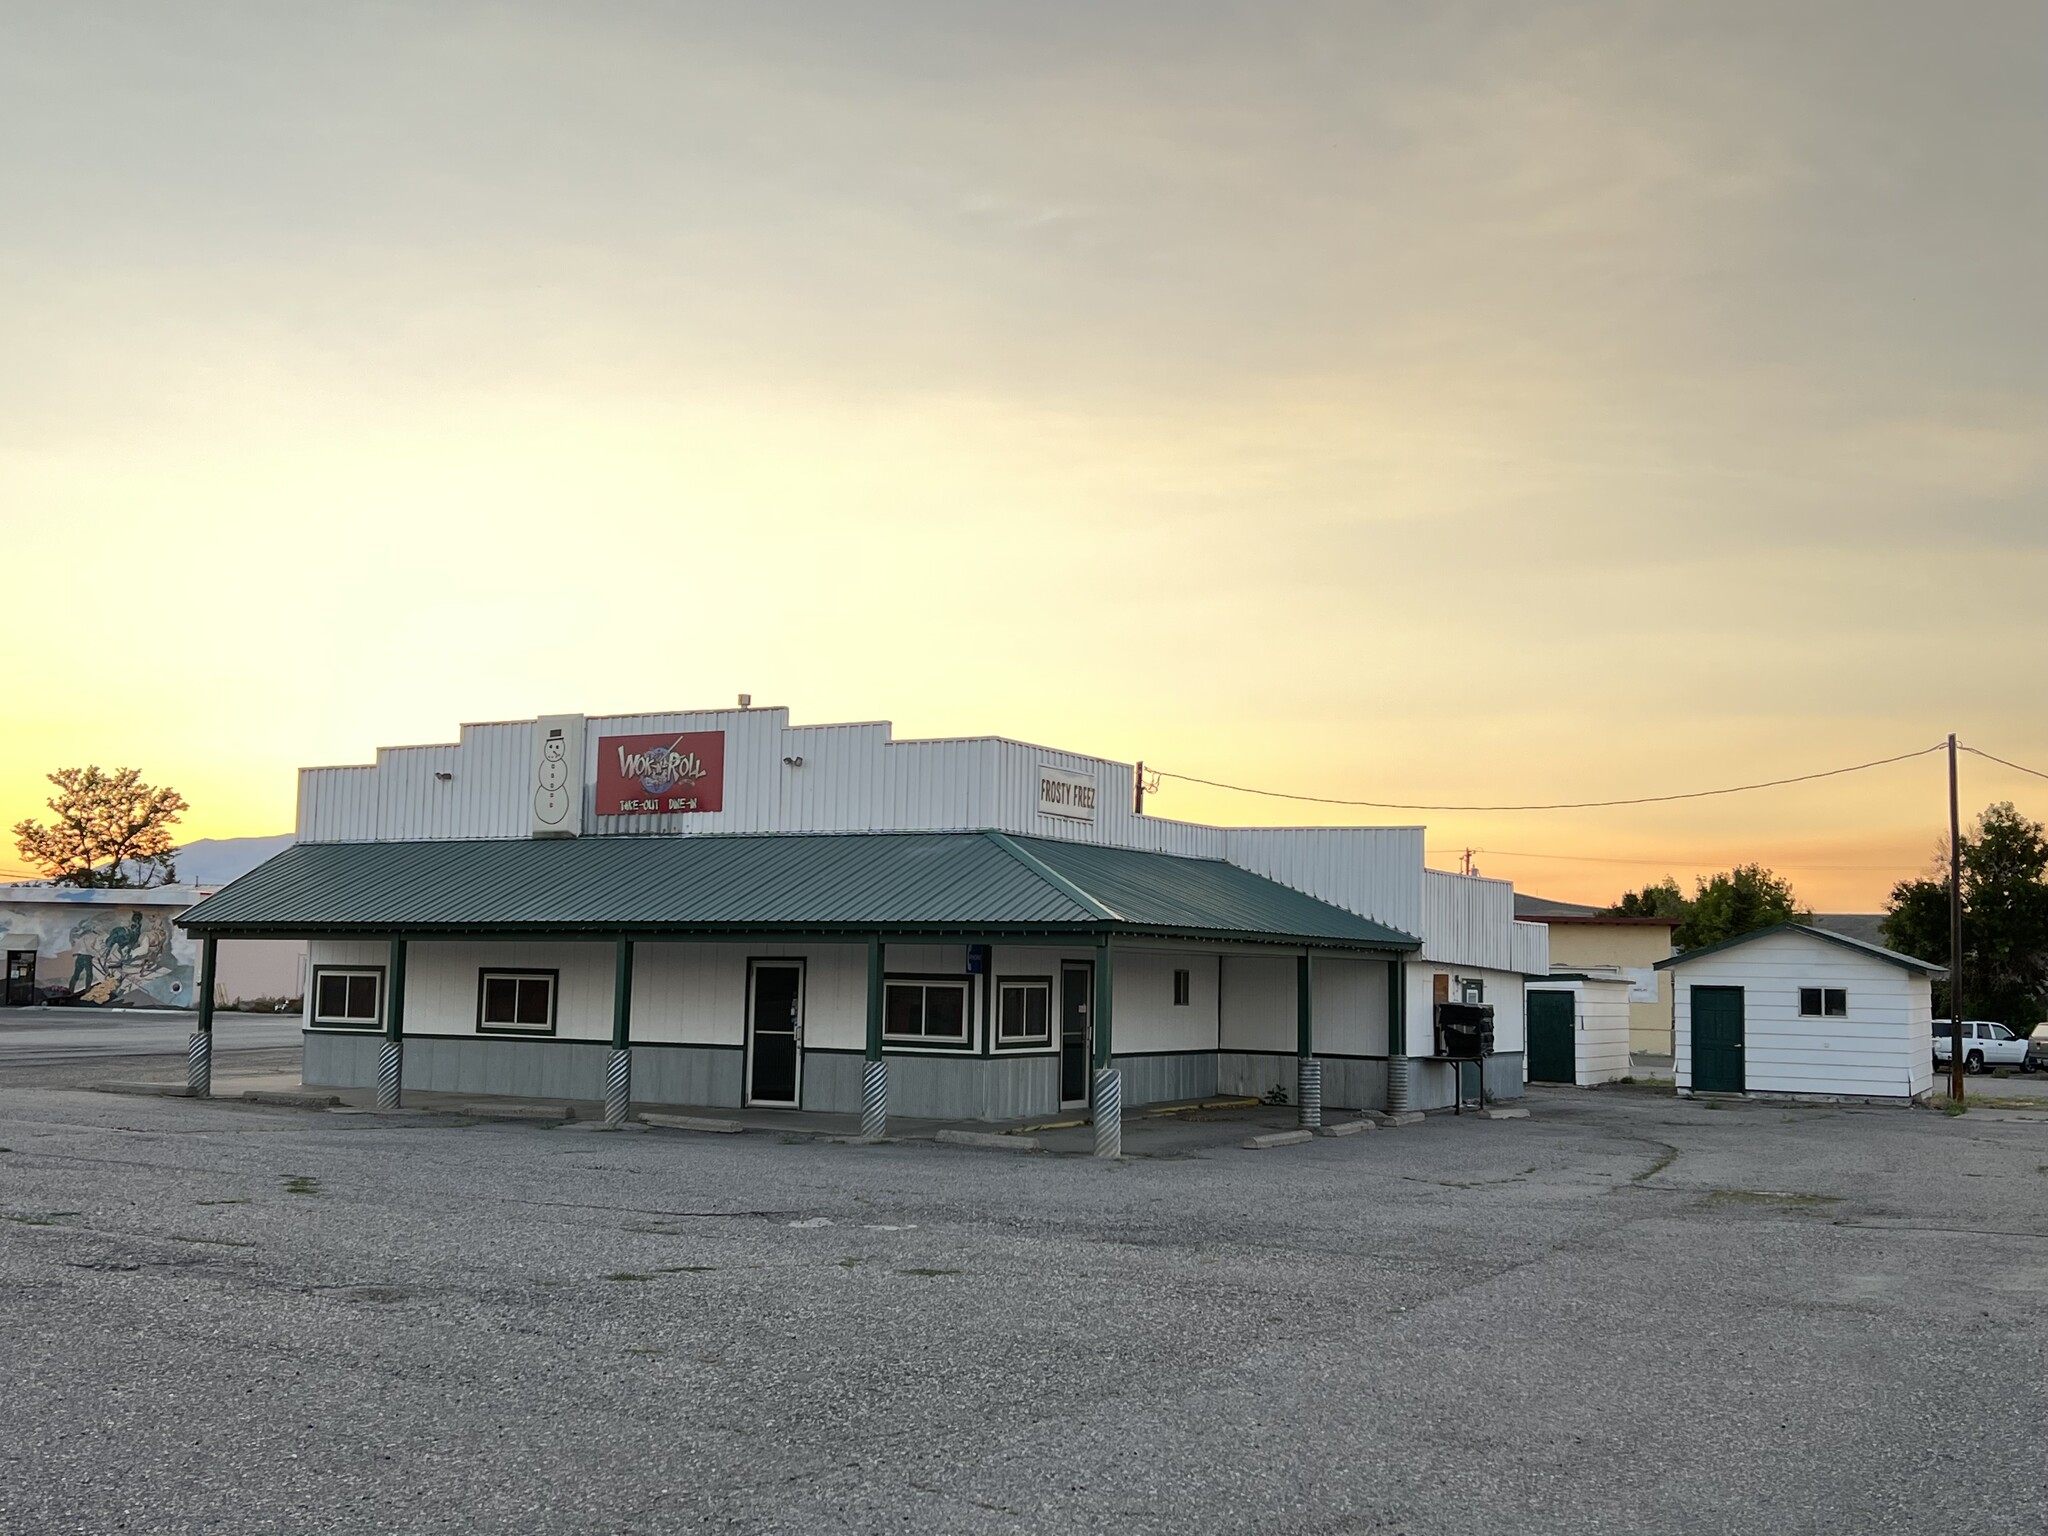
1985	1045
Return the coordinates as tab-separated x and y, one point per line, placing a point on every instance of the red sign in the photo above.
659	775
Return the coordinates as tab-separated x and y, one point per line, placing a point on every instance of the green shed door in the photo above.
1717	1039
1551	1047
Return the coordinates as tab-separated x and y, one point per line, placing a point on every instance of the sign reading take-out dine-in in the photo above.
642	775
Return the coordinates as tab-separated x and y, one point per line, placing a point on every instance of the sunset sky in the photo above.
1443	403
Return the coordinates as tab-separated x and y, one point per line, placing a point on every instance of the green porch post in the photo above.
199	1049
1308	1072
618	1069
391	1059
1109	1086
1397	1035
874	1072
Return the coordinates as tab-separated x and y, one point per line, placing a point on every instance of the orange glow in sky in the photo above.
1399	405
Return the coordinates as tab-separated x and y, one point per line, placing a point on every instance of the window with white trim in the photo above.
1023	1013
1182	988
925	1010
516	1002
1823	1003
347	999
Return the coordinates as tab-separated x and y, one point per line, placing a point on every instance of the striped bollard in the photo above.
1398	1071
1109	1112
618	1087
874	1100
390	1069
199	1065
1309	1086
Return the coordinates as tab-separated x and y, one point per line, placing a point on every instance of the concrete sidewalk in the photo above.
1154	1131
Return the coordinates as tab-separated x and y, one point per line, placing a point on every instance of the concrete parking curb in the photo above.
1347	1128
290	1100
989	1140
694	1123
1278	1139
1406	1117
548	1112
148	1090
1507	1114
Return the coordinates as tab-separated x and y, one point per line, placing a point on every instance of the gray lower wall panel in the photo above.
523	1069
687	1074
1349	1082
1168	1079
1433	1087
973	1087
340	1061
832	1082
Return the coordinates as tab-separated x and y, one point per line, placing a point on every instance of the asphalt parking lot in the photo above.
1626	1313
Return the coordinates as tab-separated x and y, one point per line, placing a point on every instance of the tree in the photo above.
111	830
1663	899
1736	902
2005	919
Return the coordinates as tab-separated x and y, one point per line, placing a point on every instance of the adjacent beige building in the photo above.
1591	938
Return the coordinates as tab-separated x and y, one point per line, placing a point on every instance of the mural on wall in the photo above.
109	954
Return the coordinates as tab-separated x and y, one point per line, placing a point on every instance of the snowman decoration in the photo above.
551	793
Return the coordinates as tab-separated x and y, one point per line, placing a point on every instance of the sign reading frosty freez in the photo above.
1061	793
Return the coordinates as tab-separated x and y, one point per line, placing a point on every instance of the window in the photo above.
1180	989
516	1002
2000	1032
1023	1013
926	1011
347	999
1823	1003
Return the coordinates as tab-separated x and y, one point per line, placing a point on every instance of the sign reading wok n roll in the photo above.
658	775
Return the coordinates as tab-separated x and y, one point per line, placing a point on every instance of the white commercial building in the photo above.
723	908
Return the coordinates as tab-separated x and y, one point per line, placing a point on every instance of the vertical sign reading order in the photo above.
1064	794
558	776
660	775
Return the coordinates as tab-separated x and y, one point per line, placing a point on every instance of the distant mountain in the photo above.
217	860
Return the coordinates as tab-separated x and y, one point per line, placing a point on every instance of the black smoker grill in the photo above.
1464	1032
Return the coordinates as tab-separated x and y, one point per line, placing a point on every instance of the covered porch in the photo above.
949	976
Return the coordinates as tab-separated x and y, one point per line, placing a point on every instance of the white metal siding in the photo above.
1503	989
1468	920
1373	871
1882	1049
1531	948
1145	1017
1258	1003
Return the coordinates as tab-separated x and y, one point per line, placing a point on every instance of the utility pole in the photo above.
1138	809
1955	933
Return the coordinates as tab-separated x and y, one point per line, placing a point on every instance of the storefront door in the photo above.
1077	986
20	986
775	1032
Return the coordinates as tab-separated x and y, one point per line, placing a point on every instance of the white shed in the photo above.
1578	1027
1802	1012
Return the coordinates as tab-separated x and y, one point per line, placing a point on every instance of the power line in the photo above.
1647	861
2018	767
1568	805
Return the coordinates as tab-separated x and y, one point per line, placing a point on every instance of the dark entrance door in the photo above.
1552	1048
1717	1039
775	1031
1077	985
20	986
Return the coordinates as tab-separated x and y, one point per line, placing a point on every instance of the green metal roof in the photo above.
1841	940
964	884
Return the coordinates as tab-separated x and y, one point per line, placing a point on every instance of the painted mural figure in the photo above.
114	957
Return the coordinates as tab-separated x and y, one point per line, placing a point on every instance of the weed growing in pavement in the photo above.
220	1202
928	1272
211	1242
627	1274
45	1219
300	1184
